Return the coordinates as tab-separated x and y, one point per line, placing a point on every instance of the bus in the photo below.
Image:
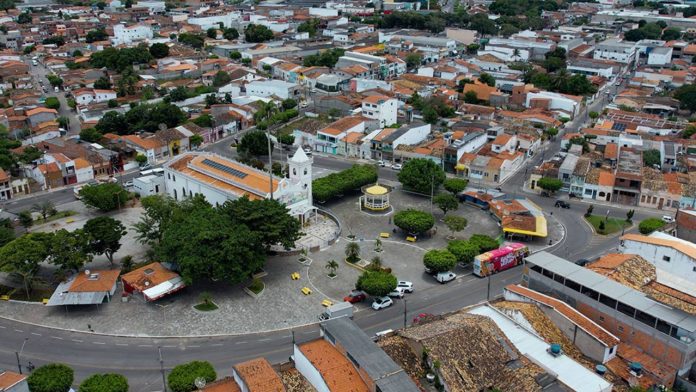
505	257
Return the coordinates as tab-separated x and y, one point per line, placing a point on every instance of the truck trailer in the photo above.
340	309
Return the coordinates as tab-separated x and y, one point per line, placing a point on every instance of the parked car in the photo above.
397	293
303	104
396	166
128	184
444	277
545	194
355	296
562	204
382	302
381	163
405	285
667	218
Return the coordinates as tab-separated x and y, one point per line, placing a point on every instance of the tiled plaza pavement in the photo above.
282	304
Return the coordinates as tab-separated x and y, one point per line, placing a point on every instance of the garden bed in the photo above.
611	225
206	307
255	289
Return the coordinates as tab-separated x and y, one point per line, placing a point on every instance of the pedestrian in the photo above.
390	220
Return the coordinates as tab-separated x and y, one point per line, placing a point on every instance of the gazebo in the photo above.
375	197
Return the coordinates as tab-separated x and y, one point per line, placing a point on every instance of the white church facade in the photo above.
220	179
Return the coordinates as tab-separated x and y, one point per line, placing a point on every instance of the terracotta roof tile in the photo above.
338	373
9	379
674	244
148	276
259	376
226	384
95	281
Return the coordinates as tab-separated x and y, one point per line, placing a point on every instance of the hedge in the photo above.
335	184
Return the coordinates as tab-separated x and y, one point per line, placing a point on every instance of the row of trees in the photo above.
68	250
227	242
147	117
327	58
458	251
120	59
335	184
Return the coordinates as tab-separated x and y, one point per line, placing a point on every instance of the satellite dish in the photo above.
199	382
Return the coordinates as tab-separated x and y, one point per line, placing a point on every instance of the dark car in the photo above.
562	204
355	297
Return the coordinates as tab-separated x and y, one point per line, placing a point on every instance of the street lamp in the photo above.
18	353
161	361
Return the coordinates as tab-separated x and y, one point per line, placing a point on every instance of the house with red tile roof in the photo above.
327	139
152	281
91	287
257	375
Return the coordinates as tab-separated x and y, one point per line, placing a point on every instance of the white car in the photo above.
397	293
444	277
396	166
405	285
381	163
128	184
667	218
381	303
304	104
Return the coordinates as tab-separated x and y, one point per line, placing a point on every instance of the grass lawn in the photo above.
59	215
612	225
256	286
206	307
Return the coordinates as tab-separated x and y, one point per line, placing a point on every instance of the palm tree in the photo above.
515	54
352	252
332	266
45	208
205	298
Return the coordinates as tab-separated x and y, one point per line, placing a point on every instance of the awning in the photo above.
162	289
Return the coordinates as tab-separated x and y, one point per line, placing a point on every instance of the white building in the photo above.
268	88
148	185
673	258
660	57
559	102
219	179
229	19
622	52
127	35
380	108
87	96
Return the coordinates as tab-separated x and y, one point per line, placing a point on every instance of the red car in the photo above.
355	296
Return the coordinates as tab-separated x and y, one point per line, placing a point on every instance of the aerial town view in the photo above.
347	195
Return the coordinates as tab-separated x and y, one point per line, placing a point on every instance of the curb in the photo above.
563	237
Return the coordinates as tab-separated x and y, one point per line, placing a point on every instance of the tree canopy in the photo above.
227	242
335	184
414	221
649	225
376	283
257	33
446	202
326	58
550	184
464	251
182	378
484	242
254	143
144	117
105	197
159	50
120	59
421	175
439	260
455	185
54	377
104	236
107	382
651	158
686	95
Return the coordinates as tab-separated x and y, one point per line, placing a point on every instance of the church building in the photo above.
220	179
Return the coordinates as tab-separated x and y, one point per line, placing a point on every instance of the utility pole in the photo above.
164	381
270	163
432	191
488	291
18	353
405	312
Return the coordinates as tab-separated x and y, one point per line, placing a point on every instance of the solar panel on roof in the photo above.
225	168
618	127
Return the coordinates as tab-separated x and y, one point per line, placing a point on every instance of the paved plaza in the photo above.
281	305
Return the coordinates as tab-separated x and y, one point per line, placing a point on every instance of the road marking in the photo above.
264	340
18	330
240	342
308	333
193	346
98	342
144	345
56	337
1	327
36	334
76	340
216	345
121	344
170	346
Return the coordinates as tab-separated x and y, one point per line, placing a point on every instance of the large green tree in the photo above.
651	158
23	256
254	143
159	50
104	236
183	377
414	221
376	283
446	202
484	242
439	260
421	175
550	184
105	197
158	213
257	33
54	377
107	382
464	251
649	225
69	250
687	96
455	185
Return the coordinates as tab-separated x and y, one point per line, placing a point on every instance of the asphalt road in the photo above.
38	73
137	358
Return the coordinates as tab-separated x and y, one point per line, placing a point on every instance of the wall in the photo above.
679	264
305	367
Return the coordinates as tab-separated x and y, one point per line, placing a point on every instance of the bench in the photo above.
295	276
384	234
411	239
306	291
326	303
4	297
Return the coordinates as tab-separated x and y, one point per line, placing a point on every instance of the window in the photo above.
572	285
666	258
645	318
611	350
620	328
663	327
601	318
559	278
352	360
169	177
330	337
610	302
590	293
547	274
536	268
625	309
